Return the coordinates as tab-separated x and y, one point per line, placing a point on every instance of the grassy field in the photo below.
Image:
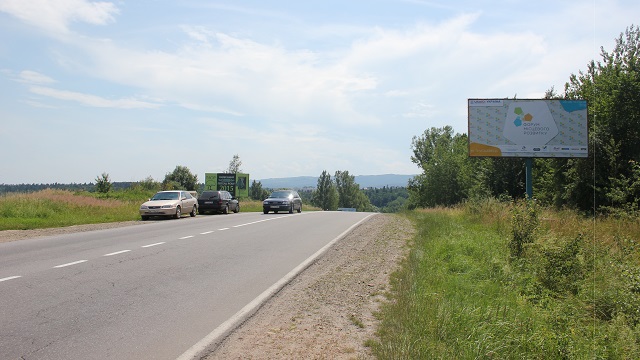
572	292
59	208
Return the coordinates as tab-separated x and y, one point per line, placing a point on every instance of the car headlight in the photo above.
144	207
167	206
286	202
265	203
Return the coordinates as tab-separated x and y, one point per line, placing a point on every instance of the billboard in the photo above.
237	184
528	128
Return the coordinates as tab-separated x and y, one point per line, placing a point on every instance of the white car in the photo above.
169	203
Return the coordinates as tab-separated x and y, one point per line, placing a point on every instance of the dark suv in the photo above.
217	201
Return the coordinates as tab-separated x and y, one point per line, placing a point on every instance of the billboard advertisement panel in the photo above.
237	184
528	128
242	186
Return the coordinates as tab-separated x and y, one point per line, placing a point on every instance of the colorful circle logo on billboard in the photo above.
529	123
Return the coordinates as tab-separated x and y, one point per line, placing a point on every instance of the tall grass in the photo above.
58	208
573	292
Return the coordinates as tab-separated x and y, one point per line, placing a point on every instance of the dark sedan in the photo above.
282	200
217	201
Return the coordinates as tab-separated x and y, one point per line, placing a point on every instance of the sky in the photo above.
135	88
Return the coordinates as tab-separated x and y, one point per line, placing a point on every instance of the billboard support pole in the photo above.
529	170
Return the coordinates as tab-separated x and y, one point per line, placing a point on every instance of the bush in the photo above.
103	184
562	268
524	226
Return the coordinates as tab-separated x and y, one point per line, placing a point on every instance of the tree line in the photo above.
341	191
607	181
331	194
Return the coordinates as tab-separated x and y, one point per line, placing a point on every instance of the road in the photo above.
161	290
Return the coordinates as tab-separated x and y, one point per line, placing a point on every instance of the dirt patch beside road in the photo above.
327	311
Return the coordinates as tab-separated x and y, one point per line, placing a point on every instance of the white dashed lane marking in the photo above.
116	253
150	245
70	264
186	237
9	278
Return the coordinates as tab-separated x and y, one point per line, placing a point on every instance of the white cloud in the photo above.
55	15
420	110
220	71
33	77
217	72
209	108
92	100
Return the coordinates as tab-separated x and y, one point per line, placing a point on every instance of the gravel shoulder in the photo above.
326	312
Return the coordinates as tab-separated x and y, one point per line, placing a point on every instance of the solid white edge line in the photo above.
150	245
219	333
116	253
71	263
9	278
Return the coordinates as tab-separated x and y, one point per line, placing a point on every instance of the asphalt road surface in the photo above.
161	290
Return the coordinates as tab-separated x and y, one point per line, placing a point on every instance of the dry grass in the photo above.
61	197
602	230
57	208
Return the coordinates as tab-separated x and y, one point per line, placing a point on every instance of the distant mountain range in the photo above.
365	181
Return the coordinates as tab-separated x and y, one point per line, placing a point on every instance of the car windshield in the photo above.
166	196
209	195
281	194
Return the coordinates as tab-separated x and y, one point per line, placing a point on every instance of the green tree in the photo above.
103	184
349	193
387	199
182	178
325	196
149	184
447	176
612	88
171	185
234	165
256	192
506	176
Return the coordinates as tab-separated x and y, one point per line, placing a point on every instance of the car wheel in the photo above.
145	218
193	212
226	209
237	210
178	213
265	211
291	209
300	209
